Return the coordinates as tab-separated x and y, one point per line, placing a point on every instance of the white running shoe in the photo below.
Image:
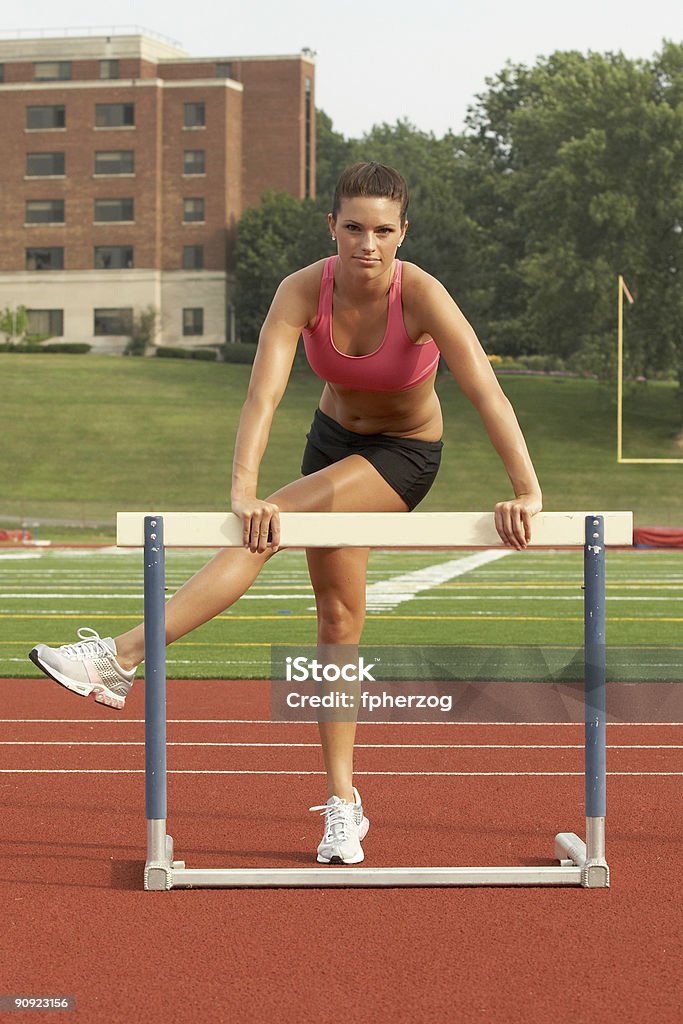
345	828
87	667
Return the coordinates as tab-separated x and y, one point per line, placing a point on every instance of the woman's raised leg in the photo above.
105	668
352	485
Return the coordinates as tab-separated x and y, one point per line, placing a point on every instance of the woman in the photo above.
374	330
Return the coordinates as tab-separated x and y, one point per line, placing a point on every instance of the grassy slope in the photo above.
85	436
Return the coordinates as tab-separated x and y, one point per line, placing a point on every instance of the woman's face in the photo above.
368	231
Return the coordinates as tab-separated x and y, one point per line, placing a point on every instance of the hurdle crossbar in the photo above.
371	529
579	863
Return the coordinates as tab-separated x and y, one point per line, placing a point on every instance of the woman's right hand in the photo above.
260	523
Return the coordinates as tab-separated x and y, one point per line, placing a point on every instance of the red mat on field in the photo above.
15	536
658	537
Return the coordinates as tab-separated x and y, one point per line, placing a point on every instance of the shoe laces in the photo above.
91	645
338	818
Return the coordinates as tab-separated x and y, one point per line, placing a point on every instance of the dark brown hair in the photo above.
371	179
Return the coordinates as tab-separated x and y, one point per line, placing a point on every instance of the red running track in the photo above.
76	921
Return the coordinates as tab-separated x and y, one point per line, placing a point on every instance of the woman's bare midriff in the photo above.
413	413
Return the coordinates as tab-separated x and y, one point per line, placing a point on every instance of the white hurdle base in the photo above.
163	873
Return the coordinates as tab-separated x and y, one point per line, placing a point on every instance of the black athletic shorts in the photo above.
407	464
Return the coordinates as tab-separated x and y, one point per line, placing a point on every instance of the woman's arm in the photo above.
288	314
468	363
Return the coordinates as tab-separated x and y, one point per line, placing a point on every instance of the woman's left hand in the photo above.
513	519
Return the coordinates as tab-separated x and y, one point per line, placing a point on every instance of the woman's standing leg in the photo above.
338	578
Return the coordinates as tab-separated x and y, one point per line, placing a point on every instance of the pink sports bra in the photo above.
398	364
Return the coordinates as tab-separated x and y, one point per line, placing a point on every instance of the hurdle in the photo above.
580	863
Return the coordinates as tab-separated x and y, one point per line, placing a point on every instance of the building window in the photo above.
193	210
45	323
51	258
193	257
114	115
114	209
115	161
2	72
113	321
223	69
113	257
39	165
45	211
109	69
193	161
195	115
38	118
193	321
52	71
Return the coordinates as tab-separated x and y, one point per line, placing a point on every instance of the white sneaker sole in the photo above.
101	694
358	857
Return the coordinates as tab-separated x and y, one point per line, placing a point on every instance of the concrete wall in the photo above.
79	293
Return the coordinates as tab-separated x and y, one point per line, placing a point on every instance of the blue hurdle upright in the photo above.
579	863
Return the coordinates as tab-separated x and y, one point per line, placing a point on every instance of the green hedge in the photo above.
175	352
238	353
20	346
74	347
228	353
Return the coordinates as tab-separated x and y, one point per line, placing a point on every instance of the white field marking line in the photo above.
553	585
229	771
312	721
434	617
477	598
444	598
130	582
487	648
387	594
72	596
139	597
473	599
16	556
357	746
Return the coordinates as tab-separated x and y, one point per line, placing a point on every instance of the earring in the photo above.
334	238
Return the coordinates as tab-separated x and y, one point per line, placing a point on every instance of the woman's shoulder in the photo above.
418	286
298	294
305	282
308	275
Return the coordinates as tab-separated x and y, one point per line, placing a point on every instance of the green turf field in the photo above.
85	436
533	598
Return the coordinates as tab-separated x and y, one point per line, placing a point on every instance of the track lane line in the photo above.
312	721
357	746
236	771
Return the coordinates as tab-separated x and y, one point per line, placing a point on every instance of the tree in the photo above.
332	155
280	236
440	232
575	174
569	173
284	234
143	332
14	323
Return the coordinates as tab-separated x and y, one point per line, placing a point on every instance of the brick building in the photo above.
127	166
